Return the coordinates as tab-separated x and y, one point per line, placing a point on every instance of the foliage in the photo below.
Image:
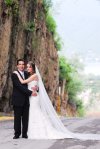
47	4
51	24
73	86
13	6
80	108
64	69
73	83
30	26
8	2
58	42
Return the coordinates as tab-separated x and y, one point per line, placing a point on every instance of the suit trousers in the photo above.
21	115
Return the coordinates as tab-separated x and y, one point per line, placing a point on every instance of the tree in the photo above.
71	82
64	70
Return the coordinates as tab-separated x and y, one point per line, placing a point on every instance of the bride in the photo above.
44	122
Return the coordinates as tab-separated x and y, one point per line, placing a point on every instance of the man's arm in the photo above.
18	85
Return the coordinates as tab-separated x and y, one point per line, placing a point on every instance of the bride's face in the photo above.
29	68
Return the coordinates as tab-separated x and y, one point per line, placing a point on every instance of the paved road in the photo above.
86	125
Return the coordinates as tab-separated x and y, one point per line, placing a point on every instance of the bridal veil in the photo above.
49	111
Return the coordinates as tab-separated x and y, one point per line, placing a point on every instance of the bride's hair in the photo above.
32	65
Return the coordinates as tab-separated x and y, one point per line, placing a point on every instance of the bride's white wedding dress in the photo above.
44	122
40	126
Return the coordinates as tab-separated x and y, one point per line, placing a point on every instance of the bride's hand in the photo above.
15	72
35	88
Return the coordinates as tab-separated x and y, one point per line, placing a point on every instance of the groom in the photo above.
20	101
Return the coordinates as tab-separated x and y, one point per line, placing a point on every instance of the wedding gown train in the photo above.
44	122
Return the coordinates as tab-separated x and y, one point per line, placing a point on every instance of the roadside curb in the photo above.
6	118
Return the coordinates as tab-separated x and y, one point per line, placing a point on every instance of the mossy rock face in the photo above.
10	7
25	35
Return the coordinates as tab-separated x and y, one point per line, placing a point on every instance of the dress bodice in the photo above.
32	84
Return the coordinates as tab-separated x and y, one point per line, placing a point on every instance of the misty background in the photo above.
78	23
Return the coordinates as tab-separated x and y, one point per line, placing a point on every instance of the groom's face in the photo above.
21	65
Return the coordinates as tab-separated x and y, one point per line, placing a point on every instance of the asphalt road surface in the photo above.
81	125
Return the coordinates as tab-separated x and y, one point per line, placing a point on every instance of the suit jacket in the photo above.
20	94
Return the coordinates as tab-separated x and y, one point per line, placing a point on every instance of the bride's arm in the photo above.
31	78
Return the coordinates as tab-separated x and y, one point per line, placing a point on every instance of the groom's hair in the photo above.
22	60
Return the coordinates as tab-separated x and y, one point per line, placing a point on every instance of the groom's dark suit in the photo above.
20	101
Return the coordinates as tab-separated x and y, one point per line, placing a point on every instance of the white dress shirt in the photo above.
22	74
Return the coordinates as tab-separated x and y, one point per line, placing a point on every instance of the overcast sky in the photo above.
78	23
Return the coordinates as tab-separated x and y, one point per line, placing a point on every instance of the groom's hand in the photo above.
34	94
35	88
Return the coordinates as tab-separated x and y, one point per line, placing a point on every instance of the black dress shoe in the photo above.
15	137
25	136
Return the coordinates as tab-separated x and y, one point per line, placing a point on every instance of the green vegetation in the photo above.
80	108
58	42
47	4
51	24
73	83
9	2
64	69
13	7
30	26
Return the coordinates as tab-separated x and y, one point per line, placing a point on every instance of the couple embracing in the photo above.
20	96
34	115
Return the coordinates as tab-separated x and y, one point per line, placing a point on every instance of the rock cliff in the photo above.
23	34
